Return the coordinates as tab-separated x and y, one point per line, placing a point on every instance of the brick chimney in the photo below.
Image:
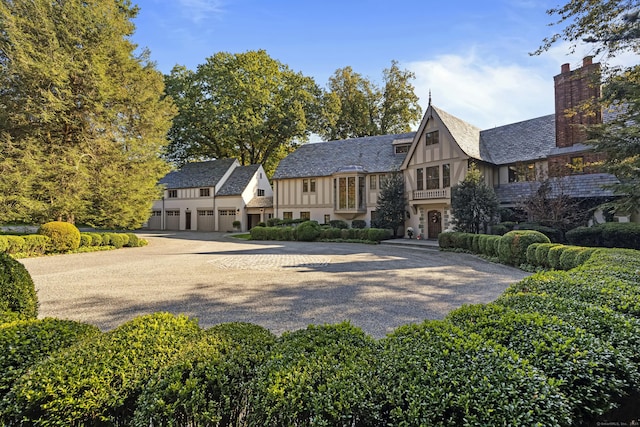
573	89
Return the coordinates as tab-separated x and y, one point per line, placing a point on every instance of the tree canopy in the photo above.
353	106
247	106
82	122
474	204
611	27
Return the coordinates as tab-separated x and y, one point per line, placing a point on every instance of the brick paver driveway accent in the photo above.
280	285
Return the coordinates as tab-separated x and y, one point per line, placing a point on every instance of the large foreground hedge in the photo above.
556	349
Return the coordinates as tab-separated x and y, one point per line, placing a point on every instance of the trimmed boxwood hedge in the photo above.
608	235
98	381
435	374
23	343
208	382
593	375
513	245
321	375
308	232
17	291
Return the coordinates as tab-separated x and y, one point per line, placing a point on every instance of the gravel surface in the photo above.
279	285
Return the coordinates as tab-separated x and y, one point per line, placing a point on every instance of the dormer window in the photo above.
433	137
402	149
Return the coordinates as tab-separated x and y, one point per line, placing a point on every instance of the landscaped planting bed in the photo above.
558	348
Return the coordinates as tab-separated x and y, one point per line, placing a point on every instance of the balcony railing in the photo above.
441	193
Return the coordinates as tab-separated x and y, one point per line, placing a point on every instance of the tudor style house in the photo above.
211	196
340	179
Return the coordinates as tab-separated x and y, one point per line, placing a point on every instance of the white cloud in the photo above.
198	10
483	93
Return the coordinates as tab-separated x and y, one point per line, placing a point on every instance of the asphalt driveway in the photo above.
279	285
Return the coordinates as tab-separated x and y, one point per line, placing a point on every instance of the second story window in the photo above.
433	178
172	194
419	179
446	175
309	185
373	182
204	192
433	137
522	172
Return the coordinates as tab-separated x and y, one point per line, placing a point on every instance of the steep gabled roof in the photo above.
518	142
199	174
371	153
238	181
466	135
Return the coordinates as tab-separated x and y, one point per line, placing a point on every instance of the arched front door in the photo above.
435	224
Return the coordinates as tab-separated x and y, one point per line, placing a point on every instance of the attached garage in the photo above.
206	220
155	221
225	219
173	220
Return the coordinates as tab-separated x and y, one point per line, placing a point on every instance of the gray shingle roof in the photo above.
579	186
466	135
371	153
518	142
238	180
260	202
200	174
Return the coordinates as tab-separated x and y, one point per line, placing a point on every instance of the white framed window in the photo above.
204	192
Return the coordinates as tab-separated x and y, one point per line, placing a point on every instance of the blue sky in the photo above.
473	55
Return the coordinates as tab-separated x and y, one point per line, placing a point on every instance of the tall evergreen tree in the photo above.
474	204
391	204
82	119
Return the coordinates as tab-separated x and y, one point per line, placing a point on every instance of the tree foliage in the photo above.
611	27
353	106
474	204
391	204
82	122
247	106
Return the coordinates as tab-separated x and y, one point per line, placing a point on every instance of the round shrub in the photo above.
97	381
434	374
593	375
553	256
64	235
445	240
317	376
258	233
553	234
96	239
106	239
531	253
284	233
135	241
513	245
207	384
118	240
27	342
86	240
17	291
569	258
308	231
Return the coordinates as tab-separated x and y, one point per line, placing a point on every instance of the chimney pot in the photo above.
565	68
588	60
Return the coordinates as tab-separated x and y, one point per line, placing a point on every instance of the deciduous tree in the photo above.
82	122
247	106
353	106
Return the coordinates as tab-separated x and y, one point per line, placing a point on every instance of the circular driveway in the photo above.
279	285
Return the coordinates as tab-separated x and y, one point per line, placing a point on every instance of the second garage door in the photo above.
225	219
206	220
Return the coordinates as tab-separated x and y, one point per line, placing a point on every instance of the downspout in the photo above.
215	215
162	226
275	207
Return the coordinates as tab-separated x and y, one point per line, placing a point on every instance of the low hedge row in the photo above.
608	235
17	290
37	244
310	231
511	248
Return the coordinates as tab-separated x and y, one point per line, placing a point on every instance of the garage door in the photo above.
173	220
225	219
205	220
155	221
